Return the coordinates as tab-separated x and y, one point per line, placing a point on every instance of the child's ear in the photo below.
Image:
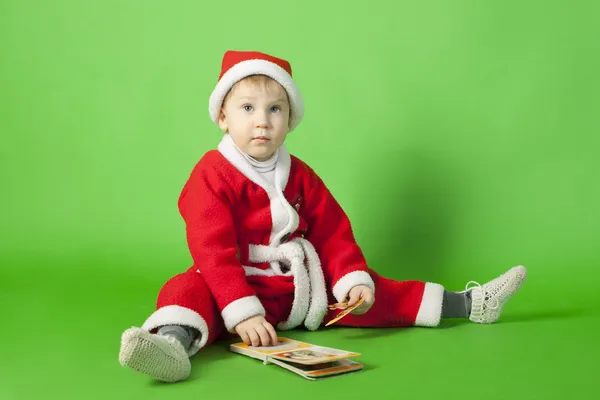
223	121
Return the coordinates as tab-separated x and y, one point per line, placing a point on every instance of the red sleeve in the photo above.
330	232
205	204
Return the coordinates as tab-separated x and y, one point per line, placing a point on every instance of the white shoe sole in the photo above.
156	356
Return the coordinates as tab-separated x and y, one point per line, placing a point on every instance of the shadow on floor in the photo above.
533	316
414	218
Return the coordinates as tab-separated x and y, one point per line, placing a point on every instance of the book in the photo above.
307	360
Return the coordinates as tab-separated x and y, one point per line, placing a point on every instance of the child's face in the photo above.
256	116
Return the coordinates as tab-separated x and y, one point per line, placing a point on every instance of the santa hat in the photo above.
237	65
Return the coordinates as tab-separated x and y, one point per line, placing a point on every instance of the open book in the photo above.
310	361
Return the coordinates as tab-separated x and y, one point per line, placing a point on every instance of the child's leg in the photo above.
397	304
415	303
186	319
185	300
456	304
184	334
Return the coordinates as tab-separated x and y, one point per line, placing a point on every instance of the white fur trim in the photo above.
284	218
301	296
430	310
240	310
253	271
255	67
292	254
282	174
177	315
282	168
318	295
348	281
283	252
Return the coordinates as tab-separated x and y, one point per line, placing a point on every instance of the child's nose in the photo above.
262	120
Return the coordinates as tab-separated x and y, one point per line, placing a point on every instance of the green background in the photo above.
461	137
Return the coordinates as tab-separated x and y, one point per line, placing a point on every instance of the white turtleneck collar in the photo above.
265	168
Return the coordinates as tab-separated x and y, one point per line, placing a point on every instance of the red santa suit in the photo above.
281	250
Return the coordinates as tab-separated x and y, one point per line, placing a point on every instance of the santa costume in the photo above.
281	248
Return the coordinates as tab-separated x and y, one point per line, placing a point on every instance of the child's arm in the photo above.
330	232
205	205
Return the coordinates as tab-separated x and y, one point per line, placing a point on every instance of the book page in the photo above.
283	345
318	371
262	352
293	351
313	355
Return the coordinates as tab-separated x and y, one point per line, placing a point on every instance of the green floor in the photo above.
62	340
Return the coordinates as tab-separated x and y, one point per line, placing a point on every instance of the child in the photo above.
271	247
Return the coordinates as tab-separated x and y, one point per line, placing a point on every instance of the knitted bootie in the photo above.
160	357
488	300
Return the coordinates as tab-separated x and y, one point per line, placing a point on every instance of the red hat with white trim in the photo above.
237	65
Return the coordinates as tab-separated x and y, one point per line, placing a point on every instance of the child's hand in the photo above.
256	331
358	292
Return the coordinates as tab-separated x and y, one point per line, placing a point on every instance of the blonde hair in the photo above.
266	82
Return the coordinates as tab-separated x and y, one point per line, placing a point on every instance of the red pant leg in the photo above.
276	294
398	303
186	300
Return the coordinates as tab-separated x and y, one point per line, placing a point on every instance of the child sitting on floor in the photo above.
271	246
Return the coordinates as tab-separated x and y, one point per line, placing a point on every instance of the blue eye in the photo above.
275	108
248	108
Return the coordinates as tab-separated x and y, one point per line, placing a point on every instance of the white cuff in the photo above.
177	315
348	281
240	310
430	310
